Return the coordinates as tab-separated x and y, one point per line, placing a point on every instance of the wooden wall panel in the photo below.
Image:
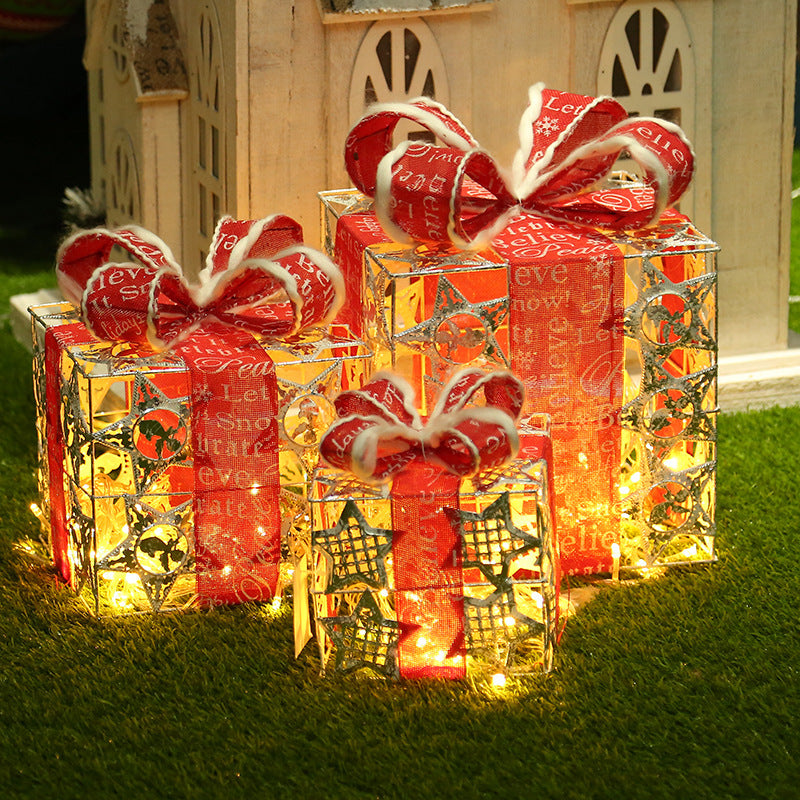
752	113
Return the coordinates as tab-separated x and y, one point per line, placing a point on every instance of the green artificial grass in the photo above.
679	686
684	685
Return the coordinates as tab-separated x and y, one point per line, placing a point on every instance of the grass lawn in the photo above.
684	686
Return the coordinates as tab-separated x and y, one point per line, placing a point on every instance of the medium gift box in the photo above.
434	552
178	425
598	295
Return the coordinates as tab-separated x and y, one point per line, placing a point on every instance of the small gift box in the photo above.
434	550
610	319
178	425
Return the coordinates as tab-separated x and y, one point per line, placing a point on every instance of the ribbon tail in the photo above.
428	580
235	445
55	340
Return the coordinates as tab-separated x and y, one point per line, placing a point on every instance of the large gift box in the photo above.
179	425
595	292
434	552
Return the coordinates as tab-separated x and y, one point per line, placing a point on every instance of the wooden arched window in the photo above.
205	129
123	196
118	46
647	62
397	60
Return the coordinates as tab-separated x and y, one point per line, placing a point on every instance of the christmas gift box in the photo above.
434	551
178	424
611	315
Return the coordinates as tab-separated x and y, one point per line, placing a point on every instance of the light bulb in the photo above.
499	679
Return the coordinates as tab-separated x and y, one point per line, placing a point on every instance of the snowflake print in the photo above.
546	126
599	265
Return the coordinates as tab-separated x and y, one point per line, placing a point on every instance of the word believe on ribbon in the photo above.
381	436
260	281
545	218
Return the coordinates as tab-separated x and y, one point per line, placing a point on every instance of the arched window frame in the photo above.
206	131
123	195
647	62
397	60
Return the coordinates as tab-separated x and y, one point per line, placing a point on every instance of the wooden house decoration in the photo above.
205	107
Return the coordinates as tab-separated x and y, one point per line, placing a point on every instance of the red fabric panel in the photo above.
355	232
567	304
55	340
235	447
427	569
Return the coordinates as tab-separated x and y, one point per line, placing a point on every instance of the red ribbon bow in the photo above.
258	277
458	193
380	431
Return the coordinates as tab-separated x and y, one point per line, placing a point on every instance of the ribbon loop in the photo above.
456	192
371	138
